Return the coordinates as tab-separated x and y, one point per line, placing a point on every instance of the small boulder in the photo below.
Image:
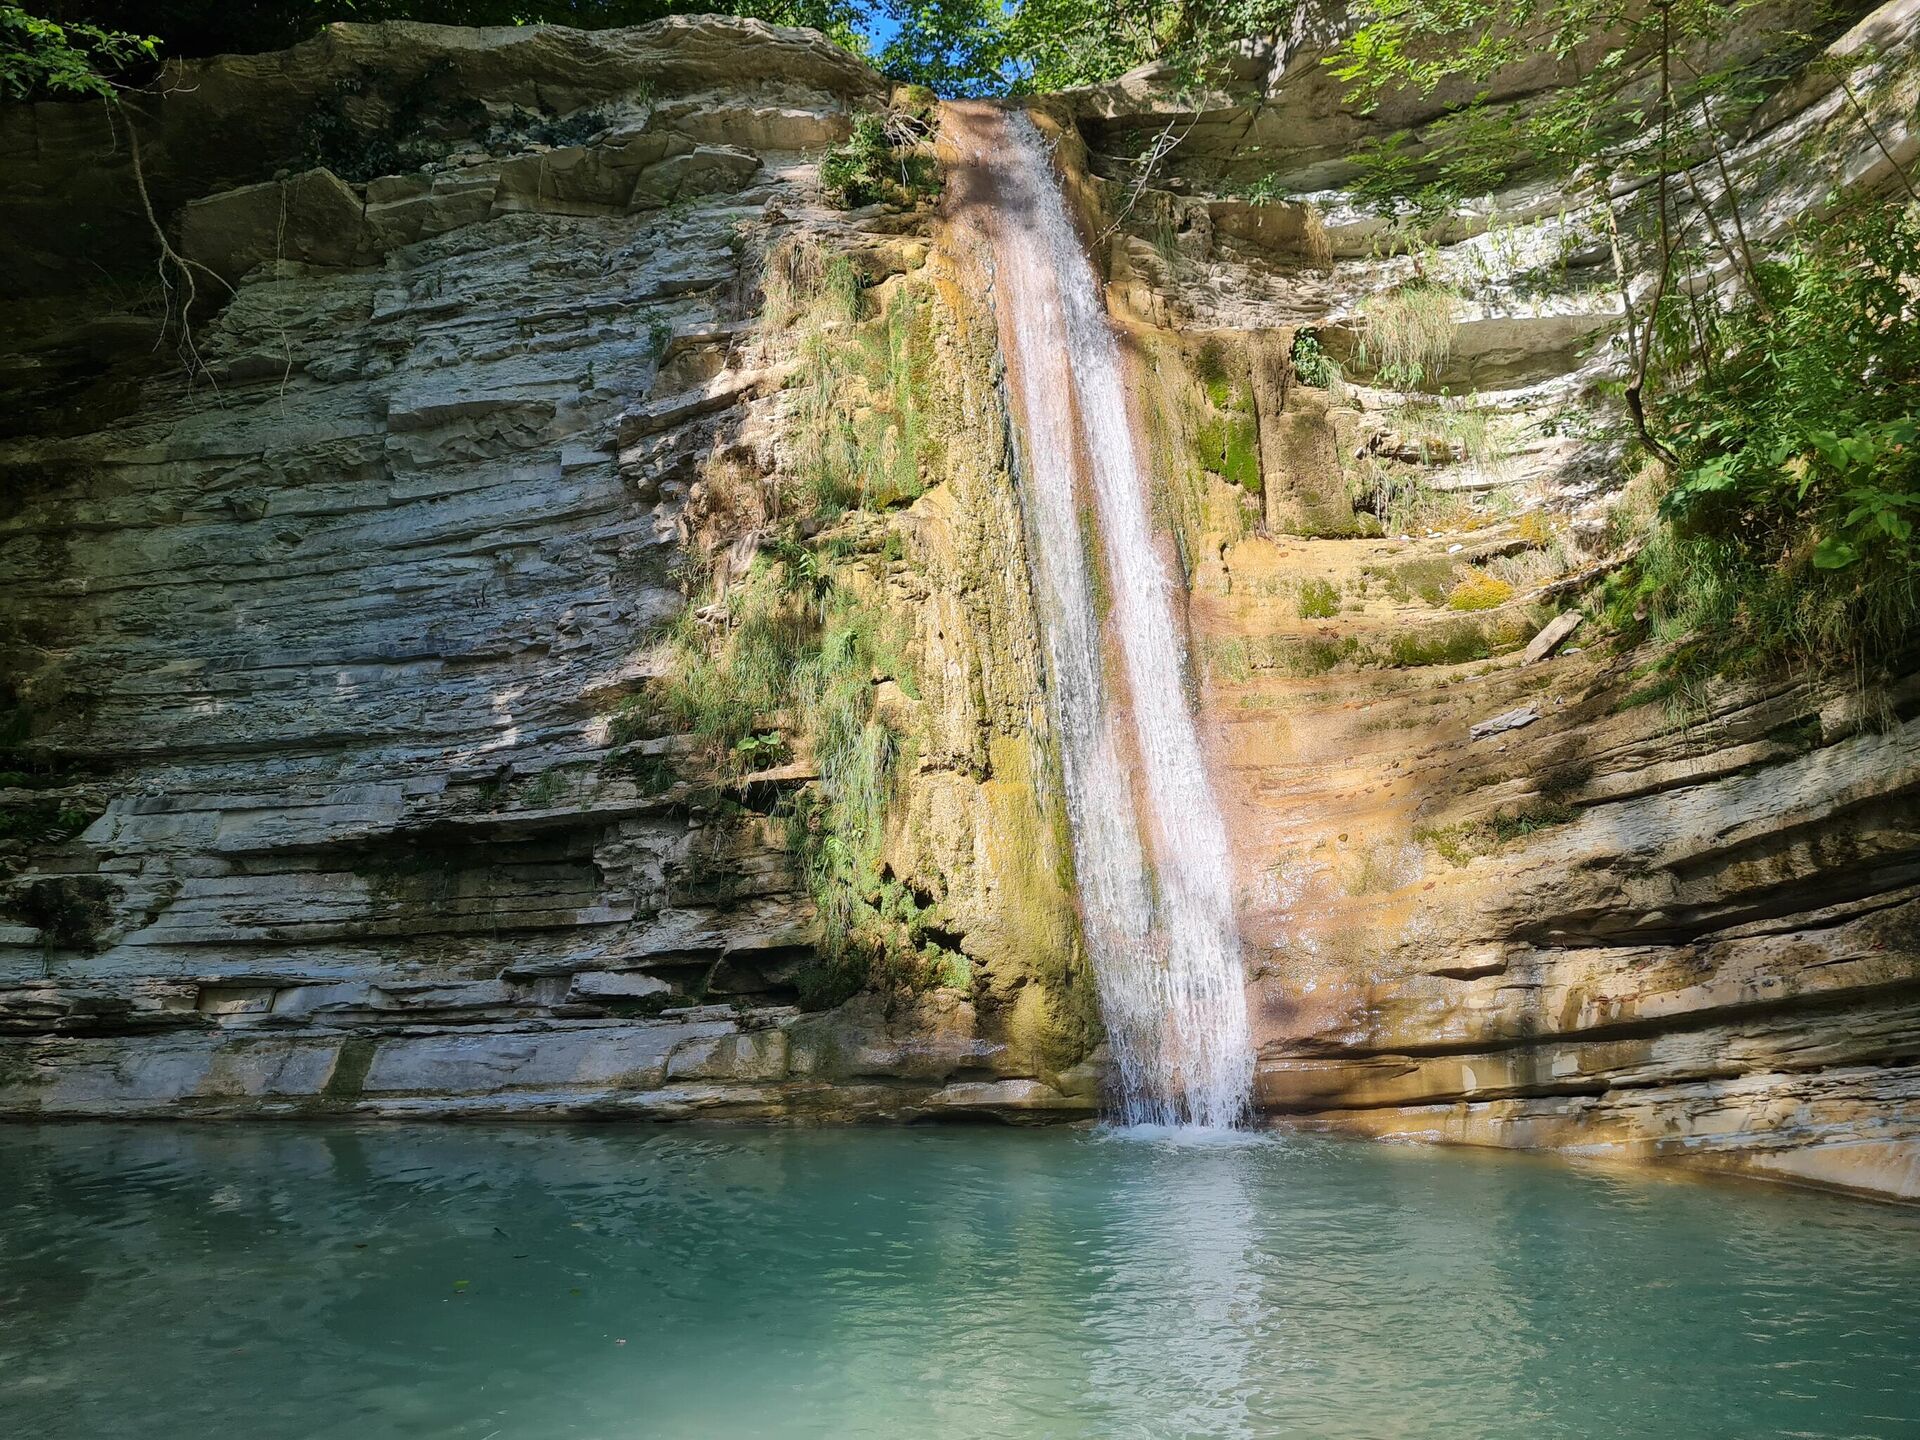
1551	636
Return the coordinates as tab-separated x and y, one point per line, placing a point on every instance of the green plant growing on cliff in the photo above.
1408	334
1319	600
1188	443
887	160
1450	428
801	279
866	431
719	689
1790	530
1642	124
1312	365
1479	591
1403	499
871	933
1454	643
1465	842
43	822
1227	439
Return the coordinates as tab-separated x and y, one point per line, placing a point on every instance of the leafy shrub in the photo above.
884	161
43	822
70	911
45	60
1311	364
1790	530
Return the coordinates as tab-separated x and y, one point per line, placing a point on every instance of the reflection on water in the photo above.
268	1282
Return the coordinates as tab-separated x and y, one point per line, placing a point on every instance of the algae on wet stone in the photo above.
791	654
1228	438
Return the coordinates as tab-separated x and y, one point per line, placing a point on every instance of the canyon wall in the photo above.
322	621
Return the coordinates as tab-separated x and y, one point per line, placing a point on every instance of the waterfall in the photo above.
1149	844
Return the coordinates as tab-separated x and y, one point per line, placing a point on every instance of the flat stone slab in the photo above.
1507	720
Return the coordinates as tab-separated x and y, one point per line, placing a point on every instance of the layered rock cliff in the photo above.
330	627
318	643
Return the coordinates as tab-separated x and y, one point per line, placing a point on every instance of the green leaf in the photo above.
1833	553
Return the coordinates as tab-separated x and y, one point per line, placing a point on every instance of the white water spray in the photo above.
1164	946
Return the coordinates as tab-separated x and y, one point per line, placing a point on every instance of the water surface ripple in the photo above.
341	1283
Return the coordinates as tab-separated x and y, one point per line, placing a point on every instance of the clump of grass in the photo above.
802	278
1450	429
1427	578
1536	527
1401	498
865	431
651	774
1316	656
794	666
1459	844
1319	600
1229	657
873	932
1316	245
1479	591
721	697
1409	333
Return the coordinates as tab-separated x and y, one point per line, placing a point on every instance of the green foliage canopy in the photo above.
1619	65
42	59
210	27
986	47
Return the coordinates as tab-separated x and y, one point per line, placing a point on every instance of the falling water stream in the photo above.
1150	847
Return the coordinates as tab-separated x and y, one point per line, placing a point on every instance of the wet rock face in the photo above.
311	660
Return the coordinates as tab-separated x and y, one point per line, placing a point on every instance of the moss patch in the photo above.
1479	591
